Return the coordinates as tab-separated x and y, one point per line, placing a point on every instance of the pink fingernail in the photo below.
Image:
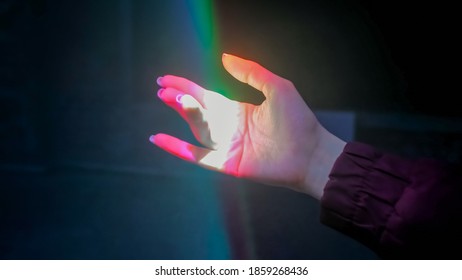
159	92
159	80
152	139
178	98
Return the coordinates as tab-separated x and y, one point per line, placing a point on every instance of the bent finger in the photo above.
183	85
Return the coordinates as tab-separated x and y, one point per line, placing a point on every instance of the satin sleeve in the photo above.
400	208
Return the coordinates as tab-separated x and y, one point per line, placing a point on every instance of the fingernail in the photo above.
159	80
178	98
159	92
225	55
152	139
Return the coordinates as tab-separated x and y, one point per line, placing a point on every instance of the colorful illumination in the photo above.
205	25
199	32
217	122
214	119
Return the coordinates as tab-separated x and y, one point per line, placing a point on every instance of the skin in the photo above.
279	142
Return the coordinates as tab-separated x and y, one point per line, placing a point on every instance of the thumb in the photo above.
251	73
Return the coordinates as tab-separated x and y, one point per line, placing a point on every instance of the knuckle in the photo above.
286	84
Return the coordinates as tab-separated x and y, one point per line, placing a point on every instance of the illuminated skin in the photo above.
279	142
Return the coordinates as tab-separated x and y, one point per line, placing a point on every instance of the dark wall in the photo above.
77	104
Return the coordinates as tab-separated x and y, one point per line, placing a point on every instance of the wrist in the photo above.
326	151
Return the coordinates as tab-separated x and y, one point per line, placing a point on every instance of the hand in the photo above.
279	142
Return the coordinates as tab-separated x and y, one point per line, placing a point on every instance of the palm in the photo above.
277	142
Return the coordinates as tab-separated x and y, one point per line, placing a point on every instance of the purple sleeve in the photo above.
400	208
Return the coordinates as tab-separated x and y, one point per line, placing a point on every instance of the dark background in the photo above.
79	180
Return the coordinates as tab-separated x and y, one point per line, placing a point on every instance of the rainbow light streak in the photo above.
206	28
215	120
204	24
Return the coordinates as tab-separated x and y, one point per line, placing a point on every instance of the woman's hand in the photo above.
279	142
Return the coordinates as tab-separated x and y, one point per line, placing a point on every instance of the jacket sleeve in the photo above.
401	208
